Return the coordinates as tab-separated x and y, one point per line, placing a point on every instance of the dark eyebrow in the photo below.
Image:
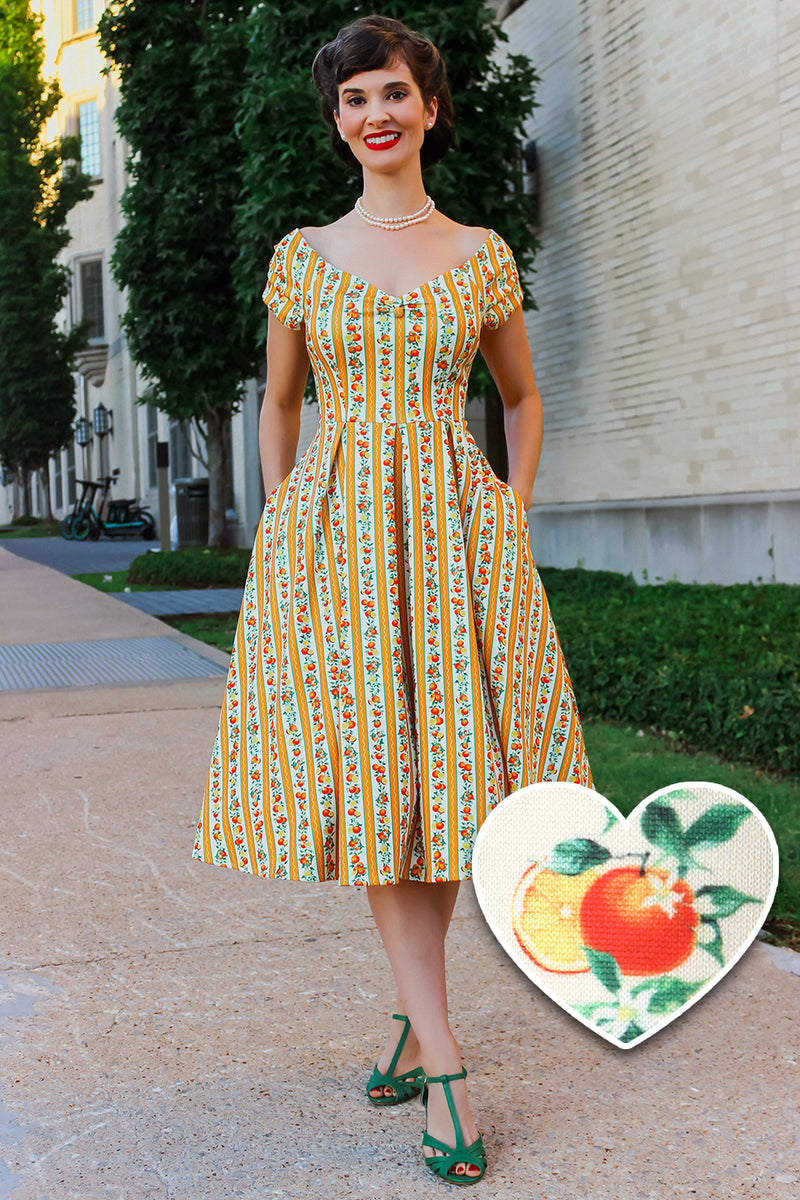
389	87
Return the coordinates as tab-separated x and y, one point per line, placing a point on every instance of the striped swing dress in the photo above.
396	671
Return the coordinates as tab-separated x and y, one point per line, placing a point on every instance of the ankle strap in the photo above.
462	1074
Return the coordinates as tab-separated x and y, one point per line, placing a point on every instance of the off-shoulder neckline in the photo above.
427	283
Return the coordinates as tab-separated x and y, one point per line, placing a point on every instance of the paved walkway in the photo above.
78	558
173	1030
57	632
187	602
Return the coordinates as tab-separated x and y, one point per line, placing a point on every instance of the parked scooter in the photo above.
123	518
81	506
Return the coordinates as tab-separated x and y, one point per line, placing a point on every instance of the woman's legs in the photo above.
413	919
411	1056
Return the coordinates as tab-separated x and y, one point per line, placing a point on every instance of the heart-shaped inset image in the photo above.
625	923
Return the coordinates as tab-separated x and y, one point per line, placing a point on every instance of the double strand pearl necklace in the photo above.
396	222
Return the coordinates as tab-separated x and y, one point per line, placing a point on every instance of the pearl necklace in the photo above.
396	222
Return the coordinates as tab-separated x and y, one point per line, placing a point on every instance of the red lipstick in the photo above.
389	139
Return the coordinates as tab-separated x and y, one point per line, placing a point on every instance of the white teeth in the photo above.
382	137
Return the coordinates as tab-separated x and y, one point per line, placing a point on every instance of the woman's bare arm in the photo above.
508	357
279	422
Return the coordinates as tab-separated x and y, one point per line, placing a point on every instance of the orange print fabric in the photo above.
396	671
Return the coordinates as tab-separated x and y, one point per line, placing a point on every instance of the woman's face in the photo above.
383	117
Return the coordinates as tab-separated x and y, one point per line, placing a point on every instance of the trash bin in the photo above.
191	510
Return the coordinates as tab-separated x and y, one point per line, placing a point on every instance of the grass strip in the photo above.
117	581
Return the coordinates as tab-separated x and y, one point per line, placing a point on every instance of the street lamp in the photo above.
101	419
83	431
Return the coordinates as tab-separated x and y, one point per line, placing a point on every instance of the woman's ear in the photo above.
430	113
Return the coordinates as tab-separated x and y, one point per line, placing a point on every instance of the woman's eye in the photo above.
397	95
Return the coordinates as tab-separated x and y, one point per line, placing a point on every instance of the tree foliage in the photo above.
39	183
290	174
181	70
229	153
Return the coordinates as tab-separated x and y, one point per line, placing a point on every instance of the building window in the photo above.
152	442
180	451
59	480
71	494
91	277
89	126
84	15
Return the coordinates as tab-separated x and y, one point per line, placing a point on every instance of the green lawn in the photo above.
40	529
117	581
215	629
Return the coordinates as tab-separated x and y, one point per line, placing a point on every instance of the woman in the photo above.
396	671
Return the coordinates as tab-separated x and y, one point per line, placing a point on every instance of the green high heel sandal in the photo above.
406	1086
473	1155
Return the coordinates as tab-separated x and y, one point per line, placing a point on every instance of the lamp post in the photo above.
101	421
83	436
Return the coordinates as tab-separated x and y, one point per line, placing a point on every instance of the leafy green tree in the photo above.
39	183
291	176
181	71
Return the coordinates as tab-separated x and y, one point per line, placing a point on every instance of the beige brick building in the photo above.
667	344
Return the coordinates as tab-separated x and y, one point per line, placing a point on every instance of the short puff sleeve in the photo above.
503	291
283	294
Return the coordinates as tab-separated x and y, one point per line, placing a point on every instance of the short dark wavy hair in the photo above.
369	44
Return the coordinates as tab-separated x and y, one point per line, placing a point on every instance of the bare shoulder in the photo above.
467	239
328	239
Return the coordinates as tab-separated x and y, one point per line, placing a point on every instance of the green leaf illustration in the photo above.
575	856
661	826
588	1010
633	1031
717	825
611	820
714	946
604	966
645	985
726	900
676	794
671	994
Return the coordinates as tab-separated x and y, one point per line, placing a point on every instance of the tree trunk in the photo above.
44	476
26	492
217	477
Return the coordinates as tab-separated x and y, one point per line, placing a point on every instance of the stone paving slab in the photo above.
185	602
123	660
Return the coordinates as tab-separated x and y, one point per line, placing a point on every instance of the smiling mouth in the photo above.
382	141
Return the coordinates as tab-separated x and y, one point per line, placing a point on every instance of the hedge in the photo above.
717	667
193	567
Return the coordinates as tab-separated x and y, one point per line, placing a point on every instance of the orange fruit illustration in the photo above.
546	918
645	920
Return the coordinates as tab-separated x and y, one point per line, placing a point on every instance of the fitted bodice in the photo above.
378	357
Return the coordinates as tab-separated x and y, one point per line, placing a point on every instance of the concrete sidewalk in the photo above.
174	1030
